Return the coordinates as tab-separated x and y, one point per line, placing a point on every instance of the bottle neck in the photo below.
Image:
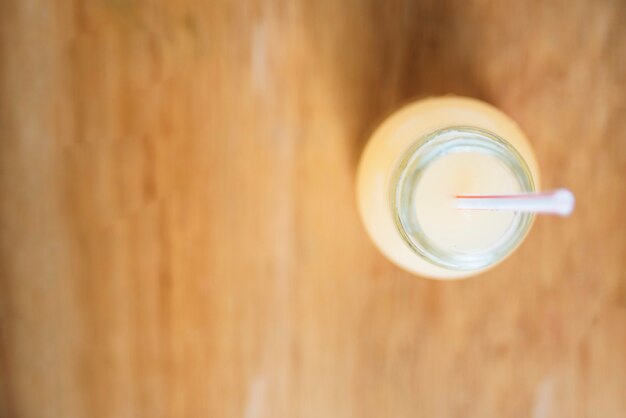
406	179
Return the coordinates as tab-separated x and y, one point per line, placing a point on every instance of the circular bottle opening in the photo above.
432	228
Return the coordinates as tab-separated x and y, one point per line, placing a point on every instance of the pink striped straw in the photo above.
556	202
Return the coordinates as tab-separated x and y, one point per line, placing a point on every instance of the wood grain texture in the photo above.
179	235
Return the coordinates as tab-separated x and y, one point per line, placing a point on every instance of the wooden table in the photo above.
179	235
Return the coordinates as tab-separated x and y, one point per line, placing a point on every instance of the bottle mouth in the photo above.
409	172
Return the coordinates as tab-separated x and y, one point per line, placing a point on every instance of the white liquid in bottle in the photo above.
469	174
430	205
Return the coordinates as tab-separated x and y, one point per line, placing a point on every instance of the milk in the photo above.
452	174
457	174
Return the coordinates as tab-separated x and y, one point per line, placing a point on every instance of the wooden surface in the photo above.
178	227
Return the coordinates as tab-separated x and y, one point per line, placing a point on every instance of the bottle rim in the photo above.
408	173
